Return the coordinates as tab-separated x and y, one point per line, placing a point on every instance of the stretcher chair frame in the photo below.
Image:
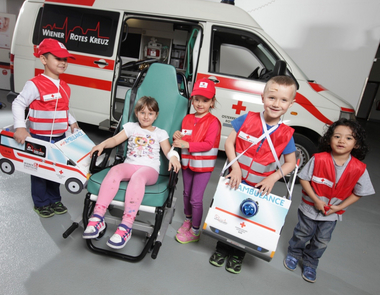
163	211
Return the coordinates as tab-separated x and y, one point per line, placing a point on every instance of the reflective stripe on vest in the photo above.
256	166
201	159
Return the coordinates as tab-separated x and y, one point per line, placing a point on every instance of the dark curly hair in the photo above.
360	150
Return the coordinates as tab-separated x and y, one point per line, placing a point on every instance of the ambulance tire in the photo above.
7	166
306	147
73	186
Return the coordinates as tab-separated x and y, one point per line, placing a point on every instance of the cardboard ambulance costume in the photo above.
246	219
66	161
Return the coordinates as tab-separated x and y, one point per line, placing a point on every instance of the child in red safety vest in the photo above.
48	100
331	181
199	141
256	163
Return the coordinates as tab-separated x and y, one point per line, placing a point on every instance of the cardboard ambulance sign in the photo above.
257	235
66	161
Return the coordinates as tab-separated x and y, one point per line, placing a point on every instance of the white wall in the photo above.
333	41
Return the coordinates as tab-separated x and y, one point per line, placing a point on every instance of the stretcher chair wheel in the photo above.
156	248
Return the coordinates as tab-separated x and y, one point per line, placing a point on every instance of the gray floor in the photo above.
35	259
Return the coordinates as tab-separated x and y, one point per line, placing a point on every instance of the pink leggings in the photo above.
138	177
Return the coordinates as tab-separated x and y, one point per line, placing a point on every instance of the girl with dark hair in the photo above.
331	181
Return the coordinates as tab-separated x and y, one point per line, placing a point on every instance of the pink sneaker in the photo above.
186	225
187	237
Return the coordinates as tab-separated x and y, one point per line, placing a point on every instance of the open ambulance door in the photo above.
92	37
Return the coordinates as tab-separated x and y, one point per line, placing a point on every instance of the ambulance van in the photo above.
112	40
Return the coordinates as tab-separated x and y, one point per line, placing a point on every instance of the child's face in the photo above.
54	66
146	117
277	99
202	104
342	141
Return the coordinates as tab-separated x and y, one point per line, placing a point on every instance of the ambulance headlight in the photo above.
249	207
347	115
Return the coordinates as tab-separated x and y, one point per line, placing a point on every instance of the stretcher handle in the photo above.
69	231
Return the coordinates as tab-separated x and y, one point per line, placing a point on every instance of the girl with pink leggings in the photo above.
140	168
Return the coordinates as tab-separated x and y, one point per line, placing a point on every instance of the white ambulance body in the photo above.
201	39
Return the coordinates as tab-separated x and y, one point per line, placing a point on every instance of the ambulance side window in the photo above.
239	53
80	29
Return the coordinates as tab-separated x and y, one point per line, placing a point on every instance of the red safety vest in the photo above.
49	114
199	161
257	165
323	180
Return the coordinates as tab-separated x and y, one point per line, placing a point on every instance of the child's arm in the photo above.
235	173
174	160
110	142
347	202
318	203
267	184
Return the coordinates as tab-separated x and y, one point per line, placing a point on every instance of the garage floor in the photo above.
36	259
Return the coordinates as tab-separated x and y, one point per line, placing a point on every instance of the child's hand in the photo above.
320	206
332	210
177	135
235	178
179	143
20	135
173	162
266	185
74	126
98	148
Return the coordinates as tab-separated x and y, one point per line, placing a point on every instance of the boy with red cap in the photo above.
48	100
199	141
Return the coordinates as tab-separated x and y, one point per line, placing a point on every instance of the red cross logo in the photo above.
242	224
60	172
239	107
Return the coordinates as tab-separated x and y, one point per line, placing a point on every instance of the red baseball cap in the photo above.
54	47
204	87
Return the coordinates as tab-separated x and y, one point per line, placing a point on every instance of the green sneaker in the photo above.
233	264
217	259
45	211
58	208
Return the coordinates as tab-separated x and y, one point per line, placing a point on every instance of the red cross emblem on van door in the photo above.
239	107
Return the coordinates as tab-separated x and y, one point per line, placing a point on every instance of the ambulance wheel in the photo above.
7	166
306	147
73	186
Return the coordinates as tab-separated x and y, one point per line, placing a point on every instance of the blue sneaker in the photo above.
120	237
290	262
94	227
309	274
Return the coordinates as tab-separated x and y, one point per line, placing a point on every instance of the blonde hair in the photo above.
282	80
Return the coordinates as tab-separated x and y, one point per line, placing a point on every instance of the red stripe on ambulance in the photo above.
317	87
82	81
305	103
76	2
250	221
235	84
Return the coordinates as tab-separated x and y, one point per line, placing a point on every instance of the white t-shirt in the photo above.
144	145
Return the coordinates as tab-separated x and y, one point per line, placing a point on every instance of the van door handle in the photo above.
101	62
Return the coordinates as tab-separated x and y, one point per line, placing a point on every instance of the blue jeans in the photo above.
310	239
45	192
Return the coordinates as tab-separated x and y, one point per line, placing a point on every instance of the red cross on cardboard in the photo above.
239	107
